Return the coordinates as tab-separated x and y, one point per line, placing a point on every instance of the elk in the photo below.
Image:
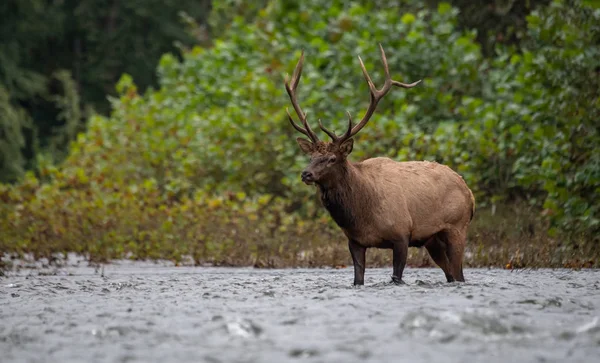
382	203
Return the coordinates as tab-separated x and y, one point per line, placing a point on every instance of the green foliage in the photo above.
12	122
559	73
497	22
532	132
24	25
59	60
218	120
520	127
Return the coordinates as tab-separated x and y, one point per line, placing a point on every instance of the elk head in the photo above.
326	157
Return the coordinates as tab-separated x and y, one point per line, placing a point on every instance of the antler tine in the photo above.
348	132
298	128
332	134
327	131
405	85
292	93
375	94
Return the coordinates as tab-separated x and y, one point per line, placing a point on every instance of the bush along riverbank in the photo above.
236	230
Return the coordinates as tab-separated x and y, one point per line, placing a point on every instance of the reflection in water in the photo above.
149	313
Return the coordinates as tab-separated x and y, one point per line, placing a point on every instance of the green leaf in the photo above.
533	20
515	129
592	3
444	8
408	18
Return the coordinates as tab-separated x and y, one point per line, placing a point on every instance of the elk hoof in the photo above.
397	280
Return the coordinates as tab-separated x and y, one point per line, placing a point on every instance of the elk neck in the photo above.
342	194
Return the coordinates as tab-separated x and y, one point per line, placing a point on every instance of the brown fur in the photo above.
388	198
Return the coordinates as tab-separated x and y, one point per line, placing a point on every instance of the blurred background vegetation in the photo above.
157	128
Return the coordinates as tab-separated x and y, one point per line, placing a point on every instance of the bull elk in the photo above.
383	203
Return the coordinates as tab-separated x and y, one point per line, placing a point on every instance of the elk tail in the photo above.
472	205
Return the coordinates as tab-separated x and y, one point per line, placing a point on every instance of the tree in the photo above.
59	60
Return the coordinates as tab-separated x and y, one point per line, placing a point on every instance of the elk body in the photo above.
383	203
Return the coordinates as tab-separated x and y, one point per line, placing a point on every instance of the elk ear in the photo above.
346	147
306	146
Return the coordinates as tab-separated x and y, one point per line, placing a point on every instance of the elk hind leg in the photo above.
455	251
436	246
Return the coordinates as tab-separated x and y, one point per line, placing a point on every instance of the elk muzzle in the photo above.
307	177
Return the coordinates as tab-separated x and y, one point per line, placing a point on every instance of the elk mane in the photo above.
344	196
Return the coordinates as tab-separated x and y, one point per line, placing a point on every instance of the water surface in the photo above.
142	312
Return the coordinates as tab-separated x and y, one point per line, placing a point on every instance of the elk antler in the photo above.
292	93
376	96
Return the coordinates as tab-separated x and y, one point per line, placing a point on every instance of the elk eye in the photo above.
332	159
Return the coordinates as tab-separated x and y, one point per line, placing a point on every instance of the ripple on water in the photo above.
593	327
471	324
303	353
589	331
238	327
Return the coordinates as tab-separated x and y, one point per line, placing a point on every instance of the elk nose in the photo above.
306	175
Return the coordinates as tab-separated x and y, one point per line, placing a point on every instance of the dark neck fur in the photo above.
337	196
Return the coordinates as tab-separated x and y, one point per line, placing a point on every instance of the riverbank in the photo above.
147	312
226	234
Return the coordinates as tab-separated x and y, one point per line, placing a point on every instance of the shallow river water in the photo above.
140	312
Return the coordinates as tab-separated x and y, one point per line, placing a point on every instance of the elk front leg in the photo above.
399	260
358	254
